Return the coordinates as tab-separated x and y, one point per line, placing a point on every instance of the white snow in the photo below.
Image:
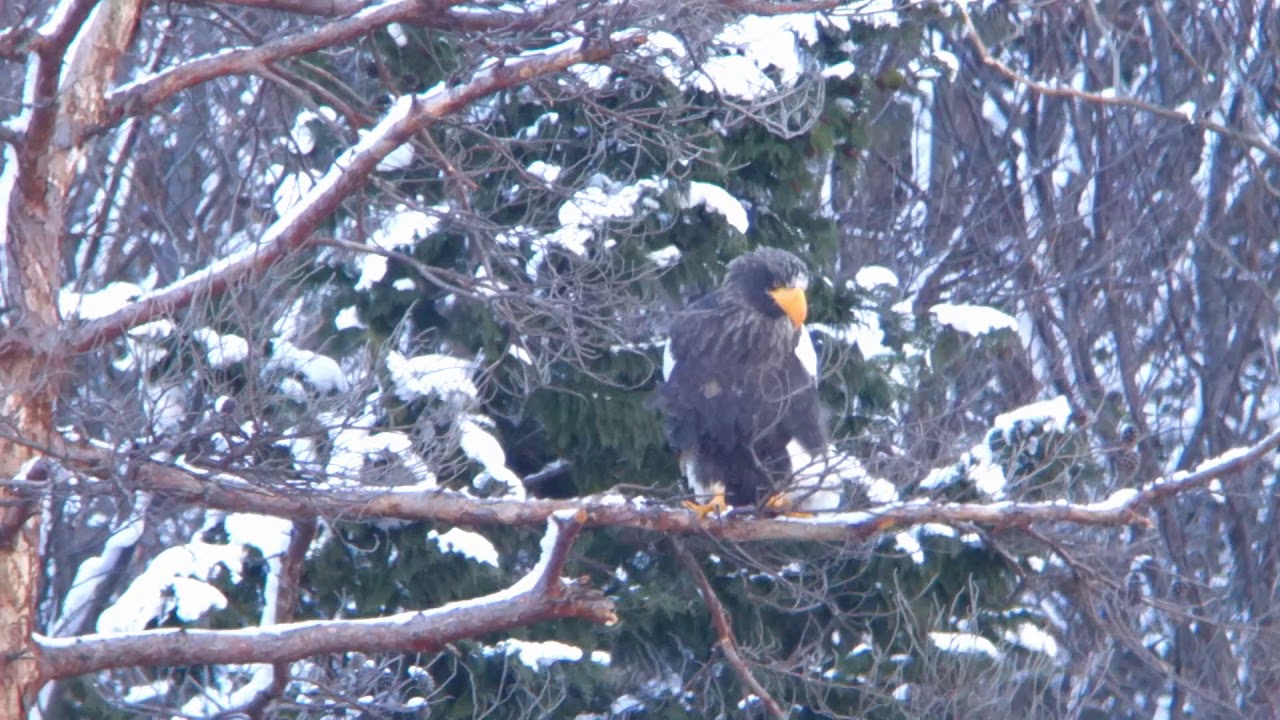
841	70
949	61
98	304
544	171
322	372
907	543
174	581
271	535
221	349
355	447
421	376
347	318
665	257
864	333
537	655
973	319
733	75
79	597
964	643
1115	501
467	543
398	159
402	228
480	445
591	209
398	35
716	199
869	277
1032	638
303	137
1054	414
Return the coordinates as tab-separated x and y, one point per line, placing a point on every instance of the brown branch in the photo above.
350	172
1251	139
540	596
225	491
318	8
724	630
139	97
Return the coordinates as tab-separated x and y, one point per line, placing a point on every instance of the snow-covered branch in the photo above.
539	596
348	173
225	491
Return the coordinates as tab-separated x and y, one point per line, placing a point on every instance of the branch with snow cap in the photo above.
224	491
539	596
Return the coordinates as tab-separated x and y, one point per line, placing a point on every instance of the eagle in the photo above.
740	396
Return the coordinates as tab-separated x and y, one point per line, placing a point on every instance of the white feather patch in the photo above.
808	356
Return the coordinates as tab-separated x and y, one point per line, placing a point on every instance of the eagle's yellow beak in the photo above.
792	302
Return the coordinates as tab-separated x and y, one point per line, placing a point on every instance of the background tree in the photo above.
293	290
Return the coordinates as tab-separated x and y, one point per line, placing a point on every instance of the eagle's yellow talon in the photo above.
780	504
717	505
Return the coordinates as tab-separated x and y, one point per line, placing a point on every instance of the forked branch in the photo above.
540	596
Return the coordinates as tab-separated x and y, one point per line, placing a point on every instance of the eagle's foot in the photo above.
780	504
716	505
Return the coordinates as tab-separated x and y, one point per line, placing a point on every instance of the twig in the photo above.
1251	139
724	630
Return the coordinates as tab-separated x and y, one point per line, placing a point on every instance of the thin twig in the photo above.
724	629
1252	139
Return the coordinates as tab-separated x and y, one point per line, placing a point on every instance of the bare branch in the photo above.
1251	139
724	630
227	492
539	596
140	97
292	232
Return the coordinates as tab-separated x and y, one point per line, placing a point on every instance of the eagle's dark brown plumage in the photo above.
737	393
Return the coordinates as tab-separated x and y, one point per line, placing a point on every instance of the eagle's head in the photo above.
771	281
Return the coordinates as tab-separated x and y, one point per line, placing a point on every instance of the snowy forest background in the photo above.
326	310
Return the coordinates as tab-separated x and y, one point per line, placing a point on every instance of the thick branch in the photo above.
541	595
291	232
224	491
724	630
139	97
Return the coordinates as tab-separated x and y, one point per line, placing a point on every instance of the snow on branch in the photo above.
225	491
347	175
540	596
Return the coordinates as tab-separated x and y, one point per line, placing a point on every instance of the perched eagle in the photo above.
741	398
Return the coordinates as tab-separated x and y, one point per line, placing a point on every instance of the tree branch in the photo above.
724	630
293	231
225	491
139	97
1251	139
540	596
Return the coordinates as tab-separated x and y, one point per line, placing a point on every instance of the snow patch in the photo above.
467	543
716	199
965	643
973	319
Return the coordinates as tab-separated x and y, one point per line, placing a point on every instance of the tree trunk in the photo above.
75	60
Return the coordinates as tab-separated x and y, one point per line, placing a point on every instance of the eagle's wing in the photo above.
732	411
